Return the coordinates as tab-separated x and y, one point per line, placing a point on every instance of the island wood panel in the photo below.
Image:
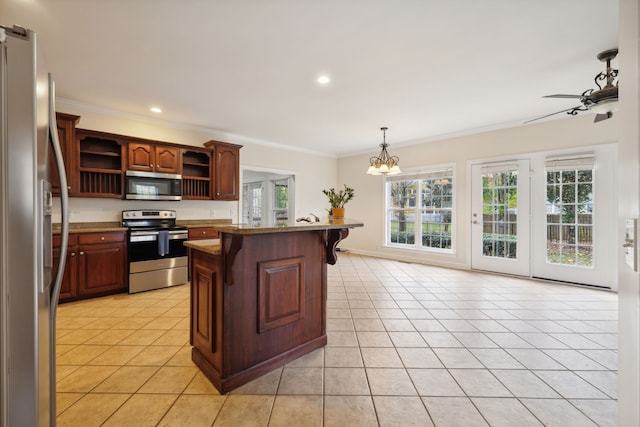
206	297
273	312
243	297
281	292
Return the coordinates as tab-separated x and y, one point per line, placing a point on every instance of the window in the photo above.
419	210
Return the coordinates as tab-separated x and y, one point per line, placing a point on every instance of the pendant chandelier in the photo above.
384	164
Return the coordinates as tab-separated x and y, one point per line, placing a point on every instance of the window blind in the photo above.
575	162
415	175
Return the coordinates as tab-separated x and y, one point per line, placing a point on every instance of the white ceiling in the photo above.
248	68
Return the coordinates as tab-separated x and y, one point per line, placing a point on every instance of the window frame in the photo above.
420	175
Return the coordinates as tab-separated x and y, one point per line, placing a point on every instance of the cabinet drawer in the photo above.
202	233
92	238
73	240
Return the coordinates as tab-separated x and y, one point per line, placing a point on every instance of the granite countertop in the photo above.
210	246
103	227
287	227
195	223
90	227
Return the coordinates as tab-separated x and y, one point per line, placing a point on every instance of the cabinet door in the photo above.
227	172
66	124
69	288
141	157
101	268
167	159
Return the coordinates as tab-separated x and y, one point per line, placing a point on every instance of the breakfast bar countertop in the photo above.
210	246
287	227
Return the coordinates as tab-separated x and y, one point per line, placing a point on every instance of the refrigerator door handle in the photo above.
64	200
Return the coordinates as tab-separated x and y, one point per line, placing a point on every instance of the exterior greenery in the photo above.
499	214
419	211
569	217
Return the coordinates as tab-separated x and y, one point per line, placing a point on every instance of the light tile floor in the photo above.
408	345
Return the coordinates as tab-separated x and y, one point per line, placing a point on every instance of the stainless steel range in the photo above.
157	255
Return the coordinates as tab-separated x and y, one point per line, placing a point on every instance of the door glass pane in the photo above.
499	214
252	202
570	217
281	201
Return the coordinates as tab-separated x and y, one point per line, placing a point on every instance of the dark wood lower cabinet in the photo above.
95	266
200	233
101	268
69	287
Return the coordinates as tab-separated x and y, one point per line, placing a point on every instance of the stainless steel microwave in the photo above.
153	186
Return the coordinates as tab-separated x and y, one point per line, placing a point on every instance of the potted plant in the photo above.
337	200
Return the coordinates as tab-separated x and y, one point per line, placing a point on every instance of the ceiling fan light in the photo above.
605	107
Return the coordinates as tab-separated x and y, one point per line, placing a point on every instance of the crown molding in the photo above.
213	133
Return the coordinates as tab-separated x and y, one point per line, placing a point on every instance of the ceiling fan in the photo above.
603	101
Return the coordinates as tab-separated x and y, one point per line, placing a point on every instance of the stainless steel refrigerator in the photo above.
28	295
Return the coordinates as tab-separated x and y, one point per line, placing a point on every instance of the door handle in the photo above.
64	206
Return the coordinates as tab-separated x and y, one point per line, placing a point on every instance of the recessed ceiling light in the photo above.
156	109
323	80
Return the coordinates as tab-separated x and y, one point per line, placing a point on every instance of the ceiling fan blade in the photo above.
557	112
561	95
601	117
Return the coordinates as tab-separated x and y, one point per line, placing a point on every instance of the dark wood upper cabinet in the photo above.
226	170
196	173
167	159
100	164
66	124
153	158
140	157
96	162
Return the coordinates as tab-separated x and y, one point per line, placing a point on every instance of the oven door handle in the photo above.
152	236
155	233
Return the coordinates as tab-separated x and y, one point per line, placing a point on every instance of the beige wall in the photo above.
367	206
313	172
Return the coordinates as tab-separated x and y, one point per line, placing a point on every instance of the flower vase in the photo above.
337	212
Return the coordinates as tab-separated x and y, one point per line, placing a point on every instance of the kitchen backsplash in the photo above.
108	210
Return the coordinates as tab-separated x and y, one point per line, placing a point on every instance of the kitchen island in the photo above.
258	296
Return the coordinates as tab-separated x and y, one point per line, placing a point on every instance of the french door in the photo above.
574	238
547	216
500	217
